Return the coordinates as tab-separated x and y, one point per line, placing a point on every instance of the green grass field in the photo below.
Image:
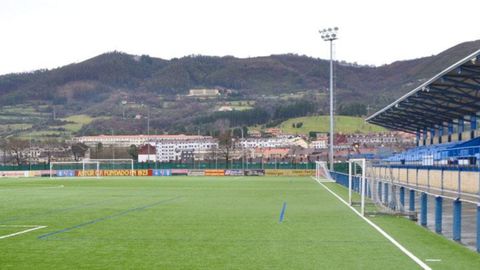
203	223
78	121
27	121
344	124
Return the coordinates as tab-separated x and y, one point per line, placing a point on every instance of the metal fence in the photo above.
455	217
173	165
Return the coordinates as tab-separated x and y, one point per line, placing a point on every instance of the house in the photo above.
147	153
171	150
127	140
271	153
225	109
204	92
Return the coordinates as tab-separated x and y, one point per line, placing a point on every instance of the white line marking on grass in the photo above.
60	186
18	226
30	187
35	227
433	260
382	232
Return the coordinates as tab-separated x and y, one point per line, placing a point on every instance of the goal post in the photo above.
116	164
359	181
322	174
68	168
90	167
374	195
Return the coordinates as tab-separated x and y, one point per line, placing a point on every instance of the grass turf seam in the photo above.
91	222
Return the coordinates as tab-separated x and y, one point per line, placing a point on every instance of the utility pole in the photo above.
243	151
113	149
148	135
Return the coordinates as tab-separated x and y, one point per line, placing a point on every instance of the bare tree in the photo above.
17	147
4	148
225	140
226	146
49	147
79	150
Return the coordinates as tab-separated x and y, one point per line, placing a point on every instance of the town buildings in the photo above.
128	140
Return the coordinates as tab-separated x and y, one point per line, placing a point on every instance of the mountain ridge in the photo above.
98	85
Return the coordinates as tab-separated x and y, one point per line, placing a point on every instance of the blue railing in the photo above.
430	217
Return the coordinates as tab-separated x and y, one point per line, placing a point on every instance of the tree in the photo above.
4	148
49	145
78	150
226	145
353	109
133	152
99	147
16	147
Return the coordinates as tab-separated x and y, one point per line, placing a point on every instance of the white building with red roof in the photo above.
127	140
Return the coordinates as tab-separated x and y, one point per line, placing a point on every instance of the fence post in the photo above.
369	191
438	214
379	191
411	200
408	176
386	192
457	220
402	197
354	183
478	228
423	209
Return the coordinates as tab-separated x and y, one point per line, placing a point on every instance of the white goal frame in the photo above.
132	169
362	163
83	162
98	162
322	174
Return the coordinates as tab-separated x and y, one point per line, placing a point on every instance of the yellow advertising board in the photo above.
93	173
214	172
289	172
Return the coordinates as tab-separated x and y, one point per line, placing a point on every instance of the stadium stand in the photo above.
456	153
444	113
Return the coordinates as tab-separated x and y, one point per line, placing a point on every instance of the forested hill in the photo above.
98	85
109	72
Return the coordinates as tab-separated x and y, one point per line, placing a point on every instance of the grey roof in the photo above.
449	95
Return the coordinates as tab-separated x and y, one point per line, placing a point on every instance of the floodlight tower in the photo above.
330	34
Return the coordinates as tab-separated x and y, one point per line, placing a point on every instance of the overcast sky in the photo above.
50	33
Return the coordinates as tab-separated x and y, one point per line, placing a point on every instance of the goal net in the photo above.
322	174
372	194
125	165
92	168
75	168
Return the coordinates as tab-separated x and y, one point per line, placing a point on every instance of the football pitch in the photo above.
204	223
